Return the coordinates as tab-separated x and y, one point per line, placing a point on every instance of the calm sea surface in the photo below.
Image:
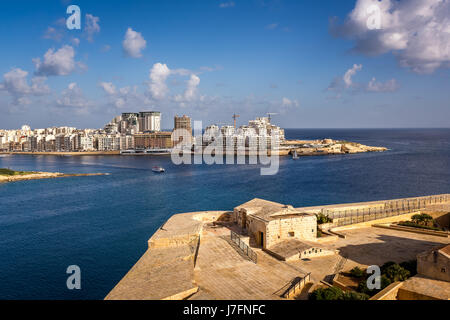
102	223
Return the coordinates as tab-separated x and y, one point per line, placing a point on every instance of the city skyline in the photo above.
317	66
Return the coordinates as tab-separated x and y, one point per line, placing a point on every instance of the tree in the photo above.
417	218
396	273
352	295
411	266
334	293
357	272
331	293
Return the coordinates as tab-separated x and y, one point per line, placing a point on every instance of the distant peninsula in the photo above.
325	147
8	175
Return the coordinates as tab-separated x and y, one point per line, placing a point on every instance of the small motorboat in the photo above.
295	155
158	169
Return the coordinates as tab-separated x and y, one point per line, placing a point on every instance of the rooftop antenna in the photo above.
270	114
235	116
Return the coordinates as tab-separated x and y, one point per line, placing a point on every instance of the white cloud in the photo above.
388	86
350	73
190	94
285	102
56	63
229	4
91	26
73	97
340	84
133	43
191	90
125	97
108	87
158	76
15	84
416	31
53	34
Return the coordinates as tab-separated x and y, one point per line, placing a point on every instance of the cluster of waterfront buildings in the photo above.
136	132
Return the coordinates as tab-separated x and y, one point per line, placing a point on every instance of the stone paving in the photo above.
223	273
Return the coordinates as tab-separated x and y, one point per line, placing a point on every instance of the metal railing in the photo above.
245	249
383	209
297	287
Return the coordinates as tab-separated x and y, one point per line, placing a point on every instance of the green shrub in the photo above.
331	293
9	172
334	293
415	225
396	273
386	265
422	219
357	272
362	286
352	295
411	266
321	218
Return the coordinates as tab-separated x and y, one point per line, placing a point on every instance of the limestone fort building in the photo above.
270	223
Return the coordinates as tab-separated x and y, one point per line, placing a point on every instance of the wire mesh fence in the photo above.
382	210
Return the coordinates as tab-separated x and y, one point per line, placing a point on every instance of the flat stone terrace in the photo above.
178	266
223	273
166	270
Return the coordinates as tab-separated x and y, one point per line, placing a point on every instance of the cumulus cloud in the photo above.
72	97
285	102
350	73
190	94
158	76
341	84
133	43
91	26
56	63
108	87
388	86
191	89
15	84
53	33
125	97
416	31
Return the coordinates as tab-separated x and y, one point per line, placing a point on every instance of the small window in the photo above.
291	234
443	270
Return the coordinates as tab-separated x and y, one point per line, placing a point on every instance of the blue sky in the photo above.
215	58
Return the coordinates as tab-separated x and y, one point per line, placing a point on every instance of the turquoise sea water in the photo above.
102	223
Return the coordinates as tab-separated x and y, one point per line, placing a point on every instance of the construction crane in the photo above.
270	114
235	116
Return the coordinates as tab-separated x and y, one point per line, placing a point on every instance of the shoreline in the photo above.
302	147
46	175
63	153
